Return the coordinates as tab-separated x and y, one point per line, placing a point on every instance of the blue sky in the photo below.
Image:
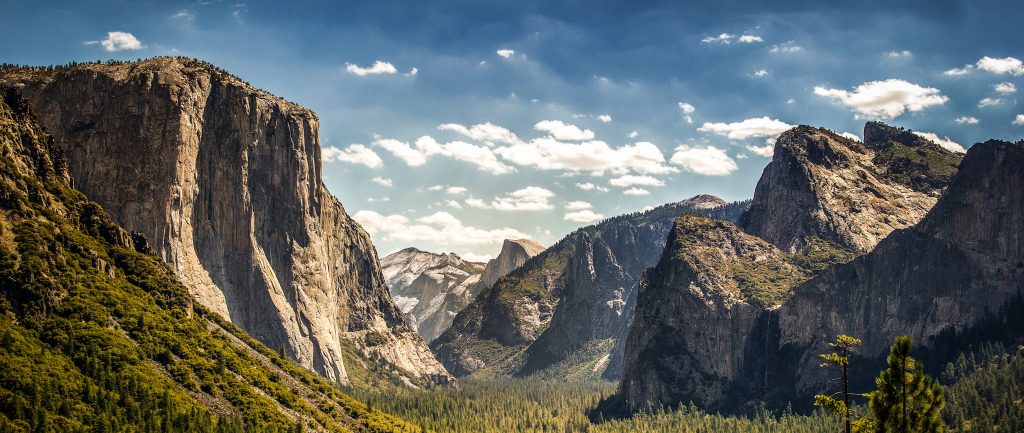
583	109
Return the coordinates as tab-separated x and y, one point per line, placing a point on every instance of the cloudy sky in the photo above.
452	125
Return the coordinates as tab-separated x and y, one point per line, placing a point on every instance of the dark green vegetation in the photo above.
535	406
912	160
987	394
907	400
97	335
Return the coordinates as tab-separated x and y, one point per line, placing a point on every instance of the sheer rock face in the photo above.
953	274
852	194
225	181
693	319
569	308
514	252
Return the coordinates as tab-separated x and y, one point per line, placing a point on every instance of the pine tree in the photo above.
907	400
844	346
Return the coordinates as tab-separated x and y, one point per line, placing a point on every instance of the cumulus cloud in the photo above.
636	191
382	181
488	133
851	136
440	227
885	99
633	134
753	127
1005	88
604	118
402	150
379	67
354	154
633	180
119	41
564	131
578	205
595	156
760	73
988	102
426	146
899	54
1019	120
1006	65
749	39
945	142
708	160
456	190
724	39
687	110
531	198
766	151
587	186
506	53
582	216
969	120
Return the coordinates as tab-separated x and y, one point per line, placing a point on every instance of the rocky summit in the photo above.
951	278
565	312
431	289
225	181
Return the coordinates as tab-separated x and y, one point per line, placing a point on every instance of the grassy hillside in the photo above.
97	335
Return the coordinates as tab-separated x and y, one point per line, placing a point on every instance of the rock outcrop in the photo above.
953	279
225	181
820	185
429	288
514	252
566	310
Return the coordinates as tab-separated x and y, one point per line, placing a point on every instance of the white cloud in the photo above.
1006	65
183	15
788	47
587	186
1019	120
648	208
506	53
636	191
578	205
413	72
595	157
436	188
354	154
402	150
488	133
478	258
564	131
582	216
633	134
766	151
753	127
687	111
948	144
760	73
899	54
724	39
1005	88
851	136
119	41
374	199
749	39
970	120
441	227
604	118
633	180
988	102
452	204
456	190
382	181
708	161
378	68
741	156
885	99
531	198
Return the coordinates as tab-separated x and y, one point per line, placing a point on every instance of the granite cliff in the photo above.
950	279
565	311
225	182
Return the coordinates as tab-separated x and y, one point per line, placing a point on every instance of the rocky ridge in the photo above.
225	181
565	311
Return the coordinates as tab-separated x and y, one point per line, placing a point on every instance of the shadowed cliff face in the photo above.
225	180
955	271
850	194
565	312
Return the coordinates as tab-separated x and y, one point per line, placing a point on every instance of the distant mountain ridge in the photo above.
565	311
432	288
